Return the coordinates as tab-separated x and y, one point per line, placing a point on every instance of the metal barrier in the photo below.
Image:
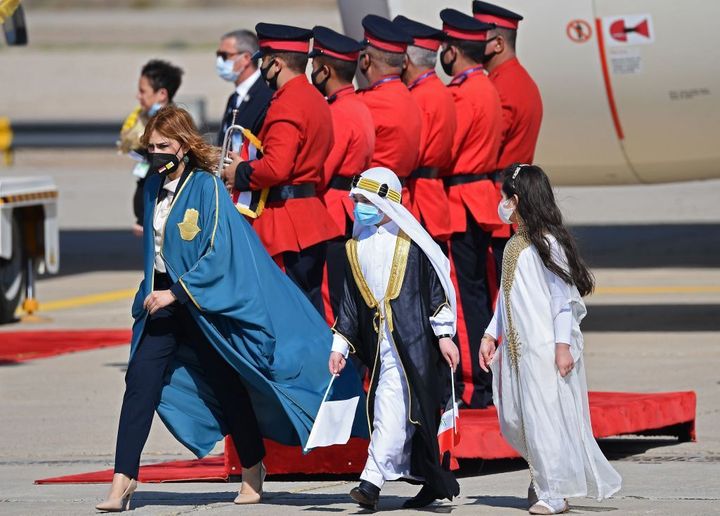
36	135
83	134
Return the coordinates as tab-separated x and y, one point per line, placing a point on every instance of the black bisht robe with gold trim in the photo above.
414	294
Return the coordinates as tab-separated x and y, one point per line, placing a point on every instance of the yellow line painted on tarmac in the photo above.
670	289
126	294
91	299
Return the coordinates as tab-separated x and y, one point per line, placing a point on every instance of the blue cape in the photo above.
249	310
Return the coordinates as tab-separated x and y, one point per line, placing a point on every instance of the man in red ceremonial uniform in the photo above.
396	116
334	61
471	192
519	97
428	200
297	138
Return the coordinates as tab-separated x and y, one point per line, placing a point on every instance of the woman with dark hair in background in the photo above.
539	384
157	86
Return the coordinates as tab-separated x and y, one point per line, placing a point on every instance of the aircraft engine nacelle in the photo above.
630	88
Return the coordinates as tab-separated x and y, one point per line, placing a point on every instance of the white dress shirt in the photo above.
160	215
243	88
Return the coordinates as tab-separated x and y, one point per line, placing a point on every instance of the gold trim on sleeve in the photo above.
437	311
187	291
343	337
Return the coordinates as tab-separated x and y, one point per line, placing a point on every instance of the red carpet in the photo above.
613	413
18	346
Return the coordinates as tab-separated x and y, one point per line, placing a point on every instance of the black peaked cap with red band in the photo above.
490	13
458	25
282	38
327	42
382	34
424	36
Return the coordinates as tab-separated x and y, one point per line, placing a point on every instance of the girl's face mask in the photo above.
505	209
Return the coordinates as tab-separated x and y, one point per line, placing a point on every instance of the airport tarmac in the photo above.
653	326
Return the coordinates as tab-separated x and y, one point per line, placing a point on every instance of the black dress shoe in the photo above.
425	497
366	494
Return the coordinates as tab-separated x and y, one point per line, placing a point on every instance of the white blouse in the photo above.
162	210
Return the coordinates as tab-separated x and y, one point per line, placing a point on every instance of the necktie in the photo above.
229	111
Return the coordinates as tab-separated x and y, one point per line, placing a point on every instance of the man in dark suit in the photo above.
251	96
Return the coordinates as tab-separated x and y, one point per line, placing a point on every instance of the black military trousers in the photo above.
336	258
165	331
306	269
468	255
498	246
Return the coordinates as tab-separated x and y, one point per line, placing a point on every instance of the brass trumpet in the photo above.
227	142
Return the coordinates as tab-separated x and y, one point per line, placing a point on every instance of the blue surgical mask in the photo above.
154	109
367	214
224	69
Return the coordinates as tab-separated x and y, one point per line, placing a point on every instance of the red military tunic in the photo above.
397	121
297	137
428	200
475	149
522	112
351	154
522	115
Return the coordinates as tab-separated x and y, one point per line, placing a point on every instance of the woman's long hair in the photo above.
541	216
176	123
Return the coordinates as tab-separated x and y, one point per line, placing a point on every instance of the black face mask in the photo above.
322	85
487	57
447	67
164	163
272	83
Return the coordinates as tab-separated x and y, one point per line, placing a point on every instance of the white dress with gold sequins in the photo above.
544	416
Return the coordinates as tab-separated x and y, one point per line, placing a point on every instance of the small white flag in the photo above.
334	421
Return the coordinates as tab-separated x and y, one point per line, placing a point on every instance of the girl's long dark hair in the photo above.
541	216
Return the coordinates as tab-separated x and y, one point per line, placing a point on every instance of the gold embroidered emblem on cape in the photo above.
188	227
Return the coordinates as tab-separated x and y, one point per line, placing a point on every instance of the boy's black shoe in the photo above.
425	497
366	494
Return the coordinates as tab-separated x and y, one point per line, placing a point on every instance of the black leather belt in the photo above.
341	183
424	173
462	179
285	192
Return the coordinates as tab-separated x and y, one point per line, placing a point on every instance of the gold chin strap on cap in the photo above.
373	186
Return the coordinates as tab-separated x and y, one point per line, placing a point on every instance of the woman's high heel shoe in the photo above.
119	504
252	486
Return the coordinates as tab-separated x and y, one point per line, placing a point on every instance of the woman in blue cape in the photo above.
223	342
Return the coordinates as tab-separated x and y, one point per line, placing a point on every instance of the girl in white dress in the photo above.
539	385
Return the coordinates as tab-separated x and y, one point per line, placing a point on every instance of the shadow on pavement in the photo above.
652	318
660	245
311	501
